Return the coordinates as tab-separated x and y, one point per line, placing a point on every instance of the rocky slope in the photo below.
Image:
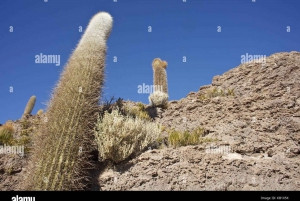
13	166
258	132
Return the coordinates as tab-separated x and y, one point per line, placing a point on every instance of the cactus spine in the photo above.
59	160
29	106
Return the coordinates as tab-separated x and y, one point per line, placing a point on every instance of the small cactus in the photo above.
40	112
29	106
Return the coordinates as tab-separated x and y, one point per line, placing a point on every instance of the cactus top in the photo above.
99	28
157	62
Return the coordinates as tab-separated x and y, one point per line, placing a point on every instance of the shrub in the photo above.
230	92
215	92
178	138
25	124
138	111
158	99
119	136
23	141
6	134
141	106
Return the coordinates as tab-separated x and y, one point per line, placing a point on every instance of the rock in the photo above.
256	123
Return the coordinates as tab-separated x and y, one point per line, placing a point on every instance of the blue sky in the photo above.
178	29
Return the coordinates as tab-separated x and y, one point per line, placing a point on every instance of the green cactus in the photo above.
59	160
29	106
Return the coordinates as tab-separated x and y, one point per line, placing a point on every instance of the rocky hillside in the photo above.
258	131
257	127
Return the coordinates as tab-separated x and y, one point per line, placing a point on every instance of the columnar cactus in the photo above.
59	160
160	75
29	106
160	95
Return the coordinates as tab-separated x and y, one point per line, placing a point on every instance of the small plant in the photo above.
110	104
118	136
159	99
9	170
9	125
141	106
163	128
178	138
23	141
6	134
202	97
215	92
27	131
138	111
230	92
25	124
6	137
119	103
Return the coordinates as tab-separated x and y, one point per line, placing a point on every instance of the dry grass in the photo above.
138	111
177	138
215	92
6	134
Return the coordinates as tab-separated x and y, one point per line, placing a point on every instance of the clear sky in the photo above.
29	28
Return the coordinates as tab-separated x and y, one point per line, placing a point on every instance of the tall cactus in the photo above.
59	160
29	106
160	75
160	95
